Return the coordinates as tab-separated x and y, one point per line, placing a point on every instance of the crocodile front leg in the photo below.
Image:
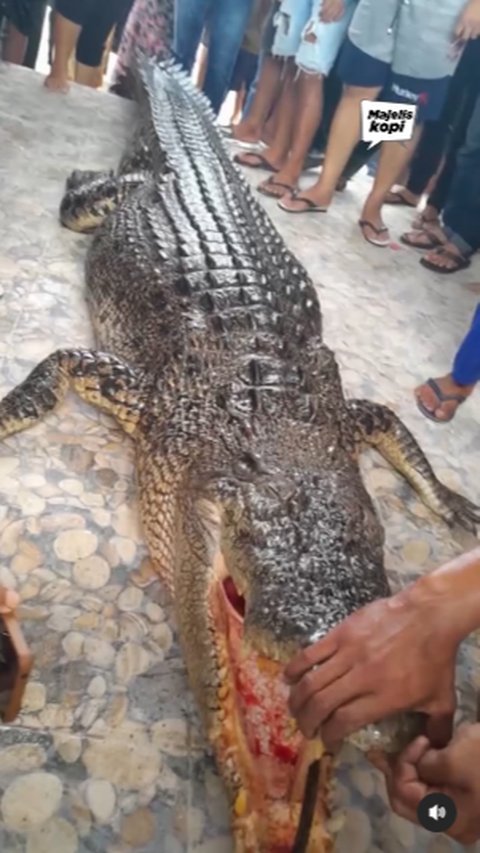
91	196
378	426
99	378
80	177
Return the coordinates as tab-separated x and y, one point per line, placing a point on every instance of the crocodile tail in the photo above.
192	149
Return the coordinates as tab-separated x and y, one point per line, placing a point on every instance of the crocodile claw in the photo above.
458	509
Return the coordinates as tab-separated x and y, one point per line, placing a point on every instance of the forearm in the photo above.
450	595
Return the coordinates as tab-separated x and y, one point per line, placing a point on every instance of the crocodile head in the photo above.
304	551
300	550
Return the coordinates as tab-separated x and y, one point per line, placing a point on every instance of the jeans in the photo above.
466	367
461	214
226	21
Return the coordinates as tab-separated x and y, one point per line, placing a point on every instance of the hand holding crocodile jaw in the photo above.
393	655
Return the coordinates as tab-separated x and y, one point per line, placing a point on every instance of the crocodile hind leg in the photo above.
99	378
378	426
87	201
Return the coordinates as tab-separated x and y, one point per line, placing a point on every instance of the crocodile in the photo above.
211	358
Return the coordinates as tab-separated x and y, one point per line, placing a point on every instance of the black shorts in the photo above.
21	14
97	19
357	68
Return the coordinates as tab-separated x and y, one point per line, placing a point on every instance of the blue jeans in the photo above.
461	214
466	367
226	21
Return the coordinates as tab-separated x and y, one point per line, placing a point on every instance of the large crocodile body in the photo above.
211	357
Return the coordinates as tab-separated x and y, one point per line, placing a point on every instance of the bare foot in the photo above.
273	187
245	132
286	180
311	198
255	160
446	258
440	398
426	217
57	83
372	225
429	237
402	196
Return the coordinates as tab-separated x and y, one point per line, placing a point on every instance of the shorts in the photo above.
21	14
357	68
244	71
296	21
97	20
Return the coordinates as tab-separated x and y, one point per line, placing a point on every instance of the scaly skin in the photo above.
211	358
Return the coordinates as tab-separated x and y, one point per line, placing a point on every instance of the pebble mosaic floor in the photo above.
107	756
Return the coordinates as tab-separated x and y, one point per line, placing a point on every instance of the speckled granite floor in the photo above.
107	756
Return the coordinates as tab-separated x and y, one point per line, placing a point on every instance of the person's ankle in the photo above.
459	387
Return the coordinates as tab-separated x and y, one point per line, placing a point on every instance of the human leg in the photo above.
461	215
227	21
440	398
189	23
15	45
69	17
265	88
394	157
20	17
97	28
318	48
363	77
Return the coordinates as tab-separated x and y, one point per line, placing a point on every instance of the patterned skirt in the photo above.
149	28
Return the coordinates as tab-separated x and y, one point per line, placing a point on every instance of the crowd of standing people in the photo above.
300	70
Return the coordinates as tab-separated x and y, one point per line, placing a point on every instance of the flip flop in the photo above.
272	183
396	197
461	263
421	221
442	398
311	207
433	242
261	163
364	223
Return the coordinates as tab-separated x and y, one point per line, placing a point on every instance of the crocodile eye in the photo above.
246	466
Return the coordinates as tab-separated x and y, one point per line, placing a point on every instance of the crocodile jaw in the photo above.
261	755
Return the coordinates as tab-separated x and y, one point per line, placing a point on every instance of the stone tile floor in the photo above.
107	756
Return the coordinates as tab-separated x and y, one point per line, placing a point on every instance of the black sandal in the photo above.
433	241
312	206
262	162
397	198
460	261
272	183
364	223
441	398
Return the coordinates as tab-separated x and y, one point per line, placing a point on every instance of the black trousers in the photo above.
96	18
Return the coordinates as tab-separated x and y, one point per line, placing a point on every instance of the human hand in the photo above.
468	26
393	655
332	10
421	770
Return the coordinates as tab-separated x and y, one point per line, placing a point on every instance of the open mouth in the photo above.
278	753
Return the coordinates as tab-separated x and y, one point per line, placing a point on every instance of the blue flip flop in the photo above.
442	398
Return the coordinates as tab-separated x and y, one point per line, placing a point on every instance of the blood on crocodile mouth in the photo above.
233	596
